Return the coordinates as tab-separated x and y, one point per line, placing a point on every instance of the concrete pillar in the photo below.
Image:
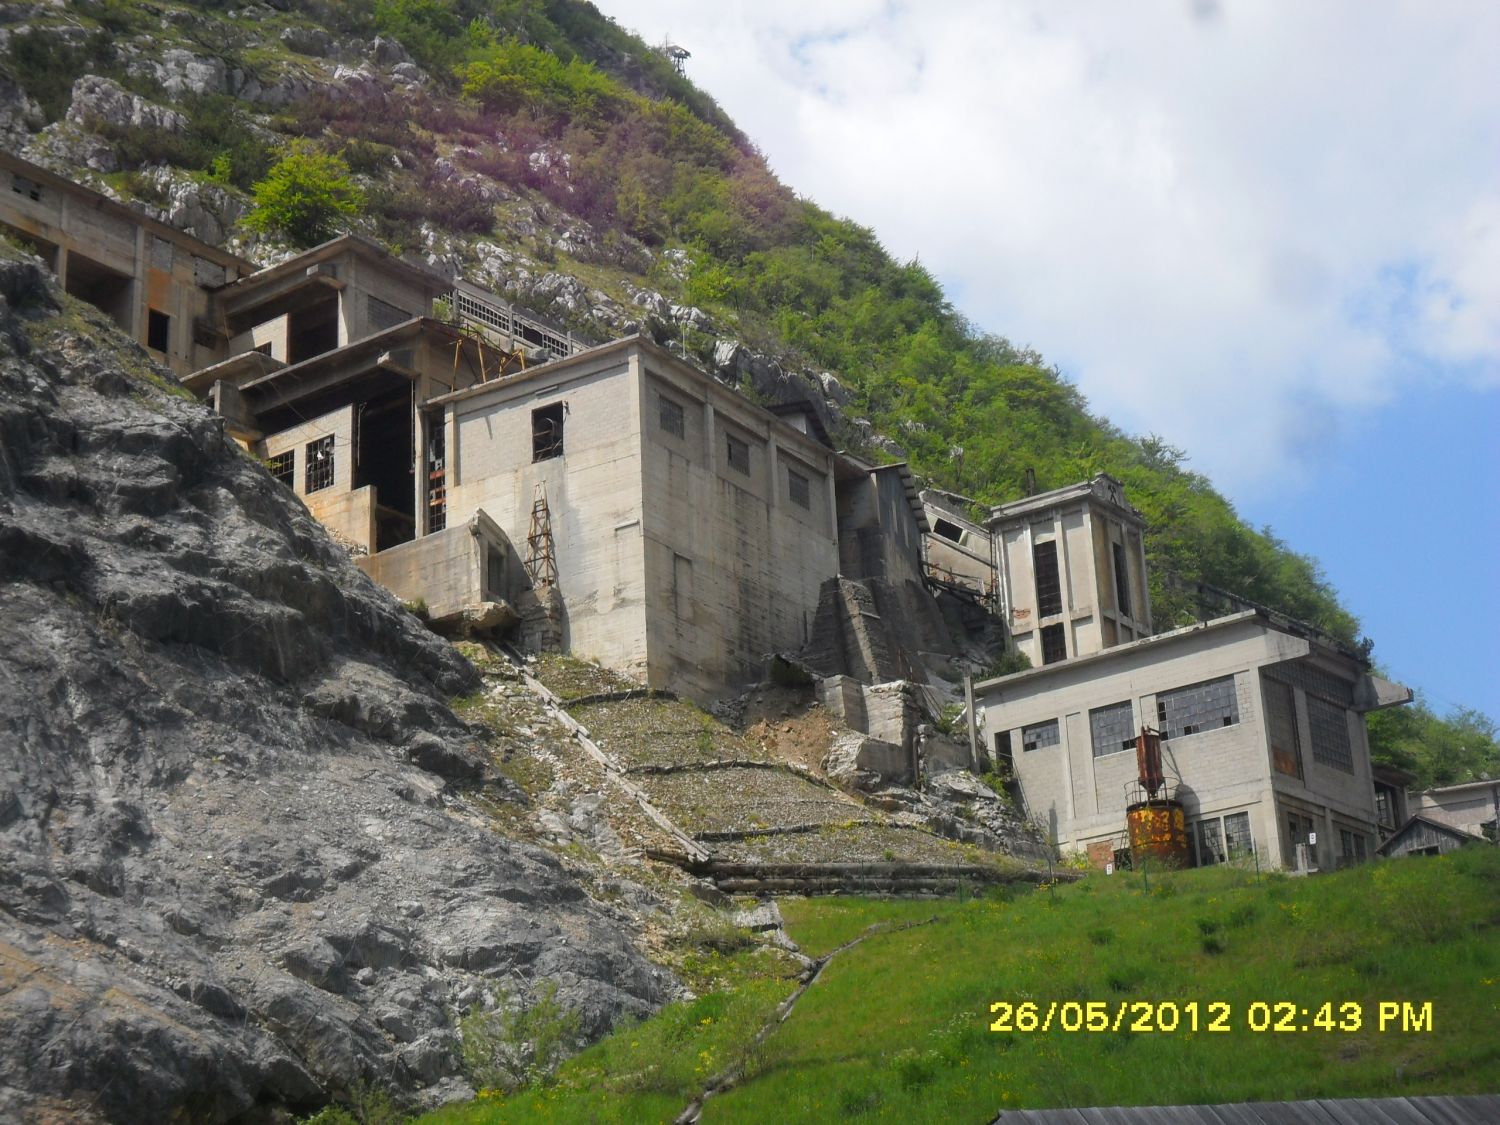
773	467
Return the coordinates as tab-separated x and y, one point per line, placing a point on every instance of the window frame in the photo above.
741	463
793	479
317	475
671	417
545	447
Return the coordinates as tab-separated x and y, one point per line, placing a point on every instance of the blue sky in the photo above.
1267	231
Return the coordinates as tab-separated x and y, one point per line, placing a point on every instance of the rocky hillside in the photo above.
550	155
246	849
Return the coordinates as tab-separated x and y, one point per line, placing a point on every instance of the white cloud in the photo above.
1228	222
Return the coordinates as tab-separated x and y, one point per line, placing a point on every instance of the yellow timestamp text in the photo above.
1164	1017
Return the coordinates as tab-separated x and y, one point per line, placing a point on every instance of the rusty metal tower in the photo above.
541	561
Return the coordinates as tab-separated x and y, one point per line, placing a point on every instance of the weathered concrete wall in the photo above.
1222	770
450	570
593	493
1466	808
348	512
878	532
95	246
734	561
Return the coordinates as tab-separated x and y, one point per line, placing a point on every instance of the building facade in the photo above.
1071	566
1262	736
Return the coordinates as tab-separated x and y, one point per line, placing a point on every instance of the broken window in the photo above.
799	488
673	419
547	432
1122	581
284	467
1237	839
1208	841
1329	734
319	464
1038	736
1198	707
1352	847
1048	586
1384	807
1054	644
1281	727
739	454
948	530
1112	729
158	330
1298	829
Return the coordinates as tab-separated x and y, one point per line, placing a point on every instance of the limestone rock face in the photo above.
103	100
242	866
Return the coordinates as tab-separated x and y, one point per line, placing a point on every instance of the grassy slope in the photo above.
897	1027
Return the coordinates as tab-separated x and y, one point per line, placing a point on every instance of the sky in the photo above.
1267	231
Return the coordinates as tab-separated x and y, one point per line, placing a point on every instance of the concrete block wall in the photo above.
348	512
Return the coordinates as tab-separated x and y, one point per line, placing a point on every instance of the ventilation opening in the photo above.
1122	581
107	290
547	432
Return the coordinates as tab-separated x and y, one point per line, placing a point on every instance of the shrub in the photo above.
306	196
511	1047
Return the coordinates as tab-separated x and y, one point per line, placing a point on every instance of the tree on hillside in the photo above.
307	196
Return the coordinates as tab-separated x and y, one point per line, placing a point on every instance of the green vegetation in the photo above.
1418	931
306	196
1463	746
510	1046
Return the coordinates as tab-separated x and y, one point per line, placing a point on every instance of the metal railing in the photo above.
490	313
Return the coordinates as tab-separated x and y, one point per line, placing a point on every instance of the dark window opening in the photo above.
1383	807
284	467
948	530
158	330
494	573
312	330
1048	585
547	432
385	459
1054	644
263	349
739	454
1122	581
673	419
108	291
799	489
319	464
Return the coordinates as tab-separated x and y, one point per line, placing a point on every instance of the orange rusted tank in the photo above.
1158	832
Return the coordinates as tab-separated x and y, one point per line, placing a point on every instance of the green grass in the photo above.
898	1027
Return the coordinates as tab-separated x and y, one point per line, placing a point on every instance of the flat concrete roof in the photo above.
1084	490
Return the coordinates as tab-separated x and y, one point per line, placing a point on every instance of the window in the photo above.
158	330
1208	842
1111	729
1313	680
1237	835
284	467
1329	734
798	489
1281	727
1038	736
1298	829
319	464
1005	762
1048	586
1383	807
1352	847
948	530
1122	581
547	431
263	349
739	454
1198	707
1054	644
673	421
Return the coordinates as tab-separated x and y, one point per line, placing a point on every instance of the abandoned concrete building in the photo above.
617	502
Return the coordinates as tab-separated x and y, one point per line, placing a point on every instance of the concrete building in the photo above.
1262	733
1071	565
1470	806
153	281
958	550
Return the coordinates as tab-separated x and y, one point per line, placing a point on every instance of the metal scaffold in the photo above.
541	562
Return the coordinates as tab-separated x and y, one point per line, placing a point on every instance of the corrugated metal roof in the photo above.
1479	1110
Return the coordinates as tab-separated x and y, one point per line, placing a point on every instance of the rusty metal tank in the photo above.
1158	832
